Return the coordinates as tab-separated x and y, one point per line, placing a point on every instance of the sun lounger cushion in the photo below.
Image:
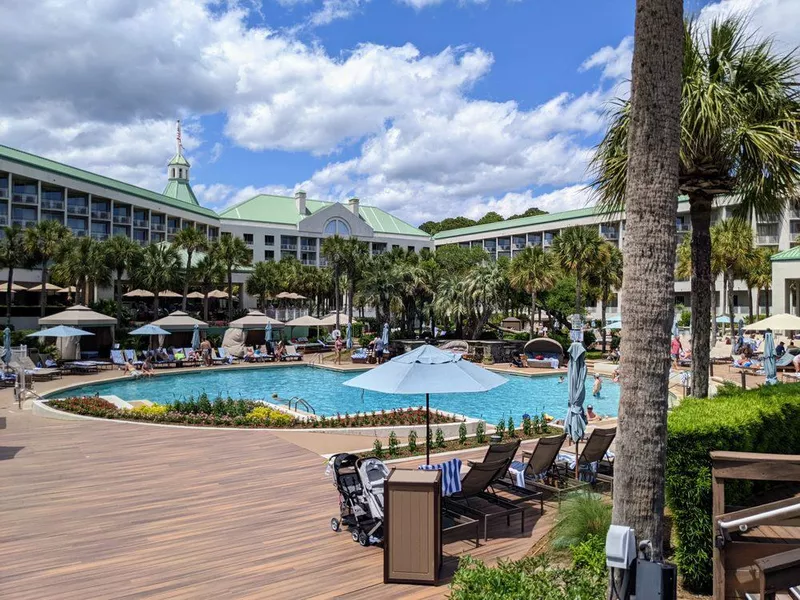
451	475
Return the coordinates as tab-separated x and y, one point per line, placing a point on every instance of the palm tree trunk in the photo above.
714	325
155	305
186	280
702	311
351	292
730	301
230	293
8	295
43	294
578	310
205	305
766	301
648	286
533	310
337	299
603	301
750	302
118	296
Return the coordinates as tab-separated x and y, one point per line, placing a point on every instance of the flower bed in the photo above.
240	413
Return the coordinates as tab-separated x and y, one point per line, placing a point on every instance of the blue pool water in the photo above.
323	389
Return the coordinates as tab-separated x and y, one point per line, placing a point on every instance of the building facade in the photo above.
506	238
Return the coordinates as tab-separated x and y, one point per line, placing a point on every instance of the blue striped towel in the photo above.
451	475
517	470
587	471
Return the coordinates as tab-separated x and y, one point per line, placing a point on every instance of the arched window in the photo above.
337	227
180	173
173	172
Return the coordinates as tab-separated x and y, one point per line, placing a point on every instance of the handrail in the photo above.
751	521
298	401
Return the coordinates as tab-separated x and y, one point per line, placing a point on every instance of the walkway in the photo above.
109	509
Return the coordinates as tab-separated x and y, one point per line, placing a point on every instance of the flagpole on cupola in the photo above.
178	139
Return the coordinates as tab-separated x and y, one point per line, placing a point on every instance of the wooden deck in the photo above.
120	510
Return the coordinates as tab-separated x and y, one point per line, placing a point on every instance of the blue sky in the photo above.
426	108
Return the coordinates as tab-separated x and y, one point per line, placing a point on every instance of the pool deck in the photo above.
102	509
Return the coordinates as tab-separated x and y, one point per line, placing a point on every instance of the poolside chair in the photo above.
227	356
265	354
785	362
538	470
217	359
130	355
37	373
193	359
474	501
291	354
117	359
594	452
7	379
500	452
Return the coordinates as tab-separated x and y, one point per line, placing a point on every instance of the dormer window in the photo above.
337	227
173	172
180	173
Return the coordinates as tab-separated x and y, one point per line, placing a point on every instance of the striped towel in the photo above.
517	471
587	471
451	475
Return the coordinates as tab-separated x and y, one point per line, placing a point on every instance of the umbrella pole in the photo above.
577	456
427	429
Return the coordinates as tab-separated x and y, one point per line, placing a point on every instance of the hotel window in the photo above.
269	255
248	238
337	227
269	240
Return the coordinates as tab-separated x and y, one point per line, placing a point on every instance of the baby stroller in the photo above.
360	485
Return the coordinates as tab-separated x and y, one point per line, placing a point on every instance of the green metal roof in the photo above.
527	221
283	210
790	254
46	164
180	190
179	160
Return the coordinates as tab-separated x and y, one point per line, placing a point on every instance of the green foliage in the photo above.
439	438
462	433
490	217
527	425
590	554
543	426
377	448
589	338
763	420
685	319
531	212
412	441
512	432
528	579
393	444
480	432
581	515
500	428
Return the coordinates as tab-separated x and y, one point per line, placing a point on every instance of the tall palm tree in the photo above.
208	273
452	302
759	277
684	270
12	256
333	249
233	253
190	240
123	255
42	243
355	254
84	264
740	121
264	282
487	285
649	253
607	274
533	270
577	249
380	287
158	269
732	239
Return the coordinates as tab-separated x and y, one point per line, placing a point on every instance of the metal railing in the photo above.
3	220
248	243
23	222
141	224
159	227
102	215
308	261
77	209
307	248
683	227
767	239
794	213
122	220
141	242
610	234
99	236
292	247
53	204
173	230
79	232
25	198
3	192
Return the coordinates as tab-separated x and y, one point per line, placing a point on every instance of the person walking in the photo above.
675	350
338	345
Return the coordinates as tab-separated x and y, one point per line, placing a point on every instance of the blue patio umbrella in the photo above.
196	338
349	337
60	331
723	319
575	421
427	370
770	370
385	336
150	330
7	345
268	332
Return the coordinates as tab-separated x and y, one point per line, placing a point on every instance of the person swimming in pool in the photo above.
560	379
598	385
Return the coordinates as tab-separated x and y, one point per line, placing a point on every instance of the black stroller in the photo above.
360	485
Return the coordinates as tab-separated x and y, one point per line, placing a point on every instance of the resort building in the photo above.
505	238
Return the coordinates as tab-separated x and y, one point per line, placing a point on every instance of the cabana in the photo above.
181	327
248	331
544	353
81	317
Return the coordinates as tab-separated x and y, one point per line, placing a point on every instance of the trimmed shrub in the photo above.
480	432
763	420
267	417
512	431
462	433
527	425
500	428
392	444
154	410
377	449
412	441
439	438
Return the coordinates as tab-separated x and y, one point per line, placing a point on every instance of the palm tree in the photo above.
740	121
208	272
333	249
191	240
264	282
533	270
683	270
158	270
42	243
452	302
380	287
12	256
607	275
649	253
82	263
355	255
233	253
487	285
732	240
577	249
759	277
123	255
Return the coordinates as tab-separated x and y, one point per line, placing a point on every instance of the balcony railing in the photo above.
141	242
141	224
53	204
793	214
610	234
767	239
25	198
99	236
683	227
518	246
122	220
795	236
3	192
535	241
173	230
548	242
101	215
79	232
248	243
308	261
159	227
290	247
77	209
307	248
3	220
768	219
25	223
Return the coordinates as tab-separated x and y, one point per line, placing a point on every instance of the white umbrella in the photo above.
138	294
47	286
169	294
14	287
427	370
217	294
305	321
195	295
781	322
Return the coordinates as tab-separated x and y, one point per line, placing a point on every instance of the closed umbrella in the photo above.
770	370
196	338
268	332
7	345
675	332
575	422
349	340
385	336
427	370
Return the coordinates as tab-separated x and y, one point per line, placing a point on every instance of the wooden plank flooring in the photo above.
114	510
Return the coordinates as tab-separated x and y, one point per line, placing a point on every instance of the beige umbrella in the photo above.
297	296
306	321
195	295
48	286
169	294
283	295
217	294
254	320
14	287
330	319
79	316
179	321
139	294
780	322
67	290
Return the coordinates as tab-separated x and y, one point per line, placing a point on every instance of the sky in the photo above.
425	108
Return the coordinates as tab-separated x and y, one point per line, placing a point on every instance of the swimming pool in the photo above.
323	389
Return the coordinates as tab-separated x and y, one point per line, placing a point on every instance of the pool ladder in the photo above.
300	402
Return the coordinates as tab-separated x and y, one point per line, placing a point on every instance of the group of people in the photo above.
376	346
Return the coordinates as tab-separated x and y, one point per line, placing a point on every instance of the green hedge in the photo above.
762	420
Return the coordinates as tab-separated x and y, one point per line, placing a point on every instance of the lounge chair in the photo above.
7	379
473	489
594	451
216	358
117	359
36	373
291	354
500	452
548	360
227	356
193	358
265	354
721	353
359	357
130	356
538	469
785	362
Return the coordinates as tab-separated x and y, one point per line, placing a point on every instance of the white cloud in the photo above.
216	152
513	203
769	18
334	10
614	62
220	196
420	4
